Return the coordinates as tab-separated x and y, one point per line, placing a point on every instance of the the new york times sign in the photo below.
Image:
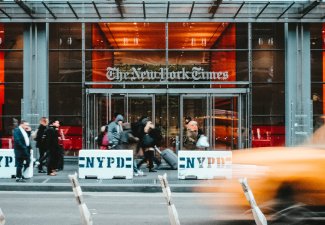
205	164
106	164
163	74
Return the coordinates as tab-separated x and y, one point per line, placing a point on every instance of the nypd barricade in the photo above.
204	165
106	164
8	164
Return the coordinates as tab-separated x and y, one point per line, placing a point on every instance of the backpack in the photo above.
105	141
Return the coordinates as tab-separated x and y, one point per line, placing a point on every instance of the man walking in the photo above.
21	149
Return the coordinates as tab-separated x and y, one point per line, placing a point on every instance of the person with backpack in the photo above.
151	138
41	143
114	131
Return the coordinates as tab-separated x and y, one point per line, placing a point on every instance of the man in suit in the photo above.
21	149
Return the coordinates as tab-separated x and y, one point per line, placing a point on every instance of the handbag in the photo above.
202	142
105	141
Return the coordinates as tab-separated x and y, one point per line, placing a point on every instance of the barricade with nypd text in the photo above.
8	164
106	164
204	164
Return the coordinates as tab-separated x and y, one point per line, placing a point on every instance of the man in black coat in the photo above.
54	149
21	149
41	143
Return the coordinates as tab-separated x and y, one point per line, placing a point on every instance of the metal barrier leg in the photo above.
84	211
172	212
2	218
257	213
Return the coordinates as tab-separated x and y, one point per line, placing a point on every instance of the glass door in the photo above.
101	108
221	117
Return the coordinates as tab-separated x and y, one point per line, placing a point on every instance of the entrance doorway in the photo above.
222	117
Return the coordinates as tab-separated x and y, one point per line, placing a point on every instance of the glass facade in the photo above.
11	79
230	77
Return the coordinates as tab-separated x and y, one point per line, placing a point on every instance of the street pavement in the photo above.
147	183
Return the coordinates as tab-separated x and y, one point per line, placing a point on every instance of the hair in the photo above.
23	121
53	121
43	119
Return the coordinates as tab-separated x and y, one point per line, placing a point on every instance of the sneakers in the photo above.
41	171
139	173
152	170
21	180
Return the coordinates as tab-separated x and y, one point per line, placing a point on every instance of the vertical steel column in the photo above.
297	83
85	131
250	75
35	73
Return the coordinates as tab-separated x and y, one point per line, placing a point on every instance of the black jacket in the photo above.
41	136
20	148
52	139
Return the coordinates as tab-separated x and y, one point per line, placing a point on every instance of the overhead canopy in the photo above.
162	11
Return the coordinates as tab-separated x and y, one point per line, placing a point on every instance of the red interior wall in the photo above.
225	61
2	73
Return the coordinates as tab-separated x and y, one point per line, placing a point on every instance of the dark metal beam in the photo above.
213	9
119	7
262	10
49	10
5	13
168	5
95	6
241	6
306	10
191	10
289	7
75	14
24	7
144	9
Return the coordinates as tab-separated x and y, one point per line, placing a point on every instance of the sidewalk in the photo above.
147	183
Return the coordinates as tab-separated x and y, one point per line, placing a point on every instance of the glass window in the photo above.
206	36
65	102
125	36
268	99
65	36
11	79
317	43
267	36
268	66
65	66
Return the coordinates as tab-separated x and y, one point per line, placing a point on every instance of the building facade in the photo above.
250	73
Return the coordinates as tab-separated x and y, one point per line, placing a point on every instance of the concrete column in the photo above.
36	73
298	102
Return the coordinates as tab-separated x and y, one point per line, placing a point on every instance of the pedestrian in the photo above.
129	141
21	149
52	141
41	143
191	134
114	131
151	138
138	131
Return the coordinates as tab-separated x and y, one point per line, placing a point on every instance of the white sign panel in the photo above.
204	164
106	164
8	167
